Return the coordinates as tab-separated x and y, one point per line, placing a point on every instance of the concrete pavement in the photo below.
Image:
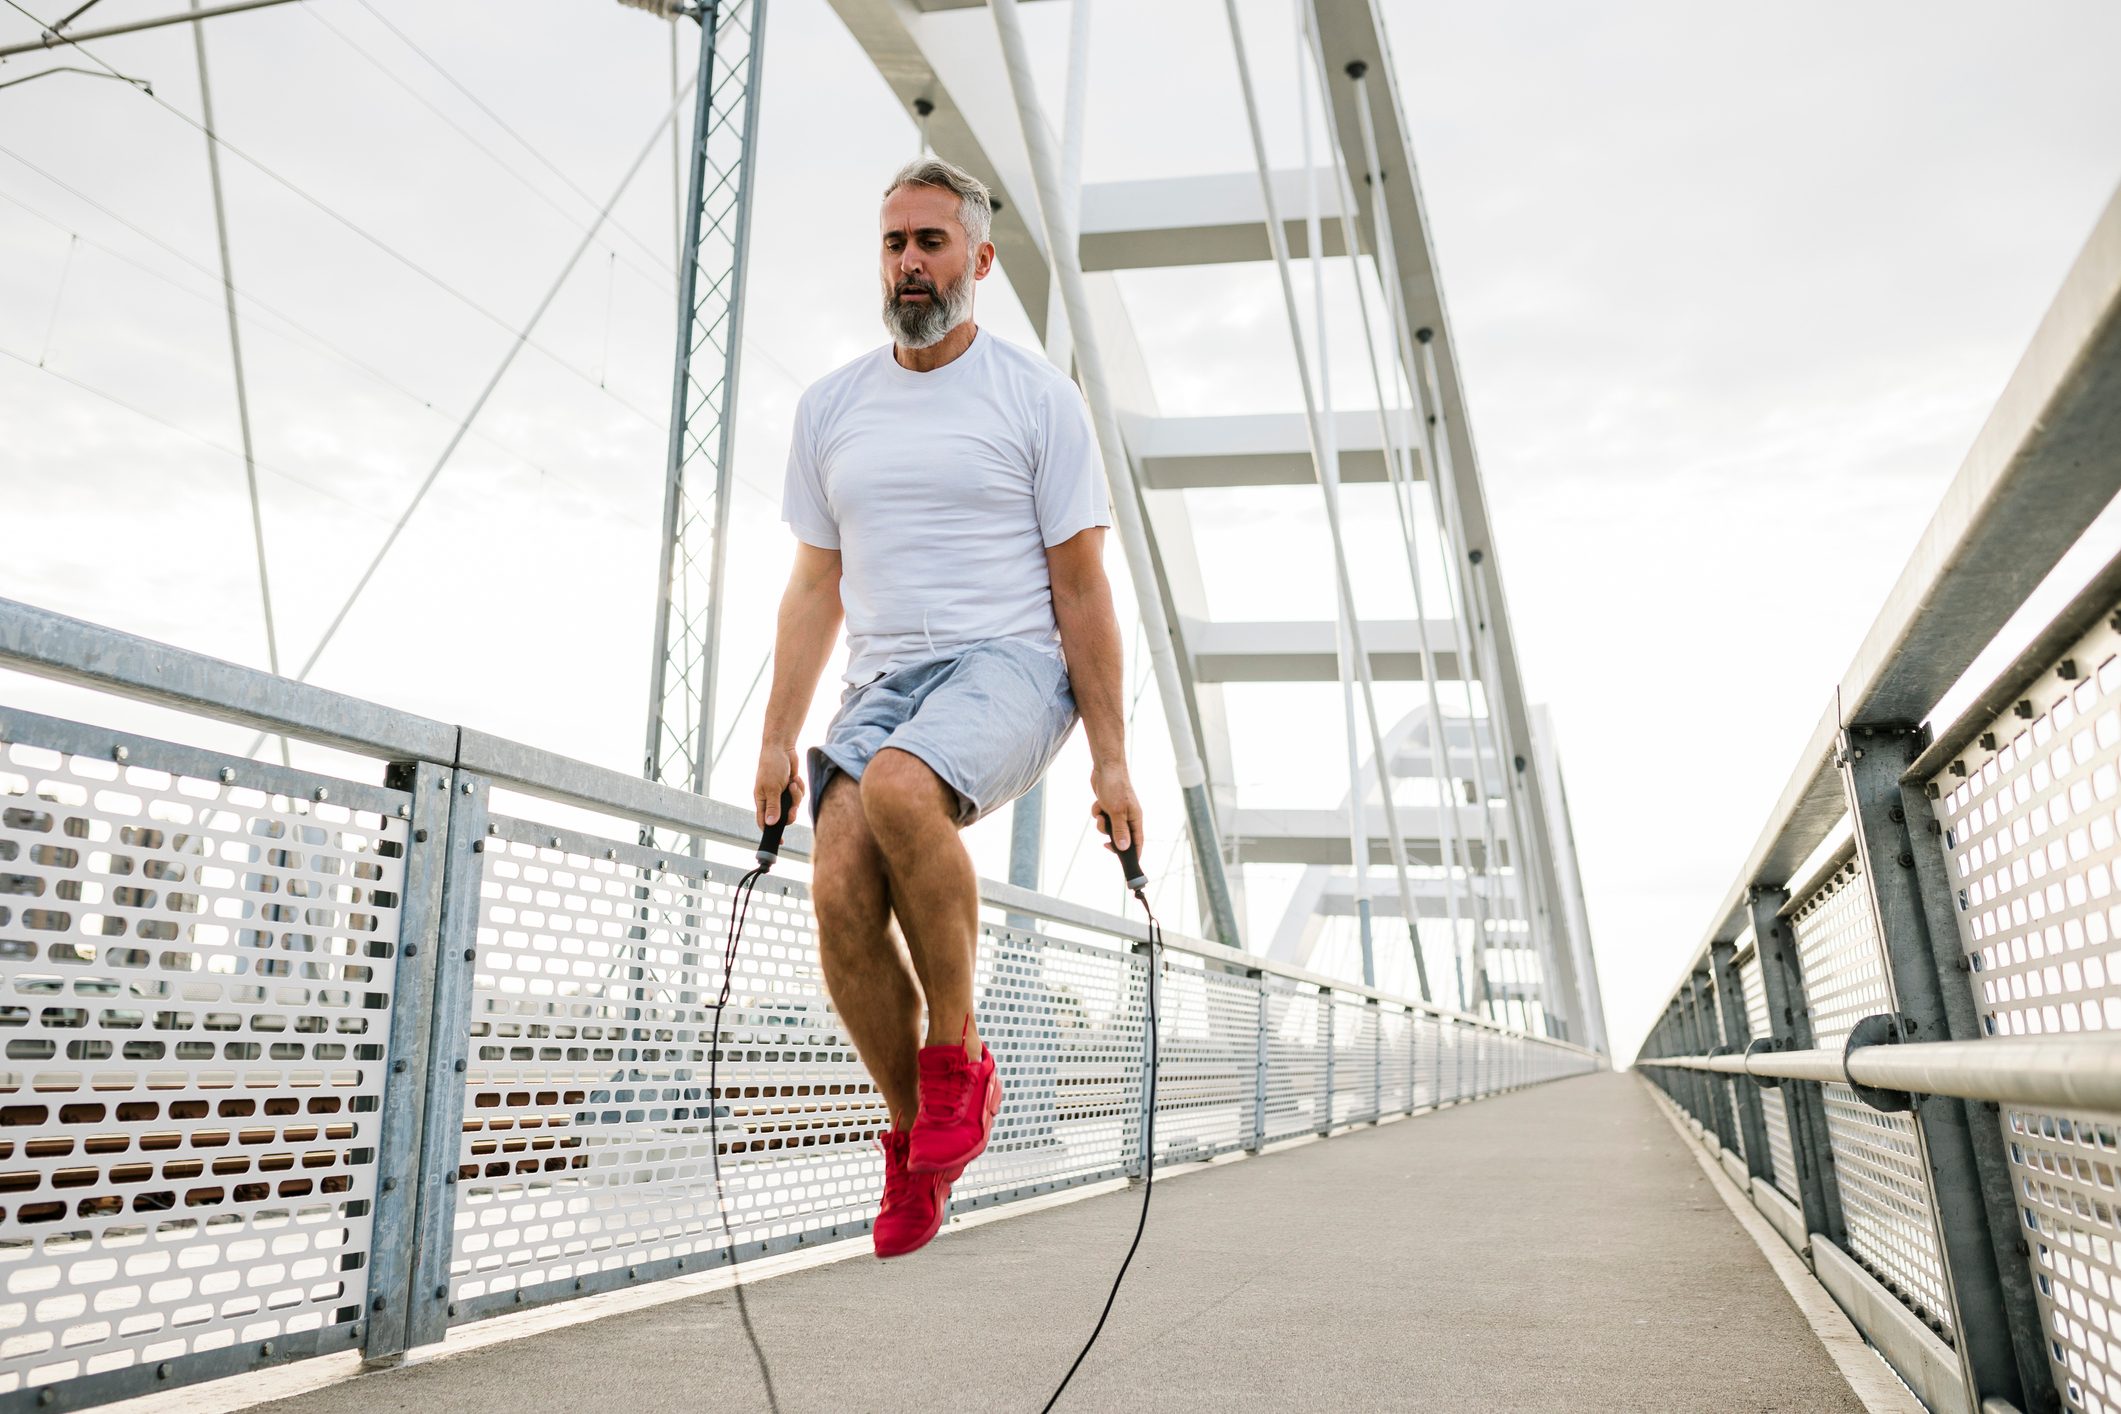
1555	1249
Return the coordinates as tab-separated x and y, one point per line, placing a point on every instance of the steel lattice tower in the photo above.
704	390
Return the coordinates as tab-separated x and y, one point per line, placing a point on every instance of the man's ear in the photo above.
985	262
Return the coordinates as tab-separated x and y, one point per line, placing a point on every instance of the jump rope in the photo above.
769	853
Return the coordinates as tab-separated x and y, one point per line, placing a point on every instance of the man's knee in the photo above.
900	792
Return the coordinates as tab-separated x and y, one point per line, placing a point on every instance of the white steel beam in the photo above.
1270	835
1216	219
1254	449
1305	651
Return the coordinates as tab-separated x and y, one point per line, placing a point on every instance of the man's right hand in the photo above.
777	772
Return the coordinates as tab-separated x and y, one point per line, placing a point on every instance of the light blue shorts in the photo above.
988	721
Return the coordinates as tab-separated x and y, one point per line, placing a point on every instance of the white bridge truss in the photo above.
1492	877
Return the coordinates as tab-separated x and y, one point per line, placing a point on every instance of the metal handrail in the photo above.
2080	1072
52	645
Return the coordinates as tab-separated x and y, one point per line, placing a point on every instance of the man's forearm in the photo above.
802	643
1090	638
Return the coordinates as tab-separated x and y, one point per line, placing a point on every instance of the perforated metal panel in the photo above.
1208	1040
586	1146
1355	1060
1774	1112
585	1141
196	977
1426	1043
1081	1011
1395	1049
1877	1162
1296	1060
2030	831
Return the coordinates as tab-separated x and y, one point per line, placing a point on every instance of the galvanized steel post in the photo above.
1782	984
1708	1035
2002	1349
398	1146
1259	1065
1737	1034
448	1058
1325	1013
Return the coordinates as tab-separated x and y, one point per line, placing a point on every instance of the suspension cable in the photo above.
1441	494
1399	470
1329	477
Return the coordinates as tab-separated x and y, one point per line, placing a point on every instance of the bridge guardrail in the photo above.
1931	1019
297	1063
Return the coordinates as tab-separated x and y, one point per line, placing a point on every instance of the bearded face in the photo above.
918	314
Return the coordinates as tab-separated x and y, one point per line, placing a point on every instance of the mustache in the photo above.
916	285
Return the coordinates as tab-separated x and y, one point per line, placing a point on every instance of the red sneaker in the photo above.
959	1101
913	1206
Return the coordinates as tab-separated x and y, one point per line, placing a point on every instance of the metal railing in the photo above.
297	1063
1911	1057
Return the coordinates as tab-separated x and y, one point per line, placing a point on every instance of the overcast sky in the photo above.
1732	289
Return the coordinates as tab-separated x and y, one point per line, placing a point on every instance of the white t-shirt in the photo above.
942	491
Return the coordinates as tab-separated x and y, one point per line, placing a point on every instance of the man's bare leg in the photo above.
867	969
912	819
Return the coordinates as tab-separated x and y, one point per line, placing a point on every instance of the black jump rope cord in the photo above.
740	906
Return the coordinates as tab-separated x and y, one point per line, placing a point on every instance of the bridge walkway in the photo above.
1558	1248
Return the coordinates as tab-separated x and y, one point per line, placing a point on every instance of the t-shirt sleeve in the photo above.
1070	488
803	504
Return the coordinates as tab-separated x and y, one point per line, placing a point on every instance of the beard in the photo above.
918	326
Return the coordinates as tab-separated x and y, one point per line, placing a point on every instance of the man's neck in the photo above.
938	353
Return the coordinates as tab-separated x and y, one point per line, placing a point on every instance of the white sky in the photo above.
1732	289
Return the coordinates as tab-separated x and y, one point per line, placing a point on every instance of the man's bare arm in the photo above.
1082	606
809	625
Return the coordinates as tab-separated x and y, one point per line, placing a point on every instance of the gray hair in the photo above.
975	209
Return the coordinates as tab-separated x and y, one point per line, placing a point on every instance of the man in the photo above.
946	498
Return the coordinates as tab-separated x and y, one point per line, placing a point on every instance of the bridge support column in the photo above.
1737	1034
1782	980
2002	1349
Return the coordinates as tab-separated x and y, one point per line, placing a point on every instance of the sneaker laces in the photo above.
945	1093
898	1179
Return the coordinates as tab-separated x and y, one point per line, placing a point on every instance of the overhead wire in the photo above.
136	410
293	326
659	278
235	353
502	123
359	230
51	325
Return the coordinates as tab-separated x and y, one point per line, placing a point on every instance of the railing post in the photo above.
1414	1019
1377	1060
1152	998
1693	1096
1325	1010
1782	984
1259	1067
1730	995
448	1056
2002	1347
1707	1036
390	1265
